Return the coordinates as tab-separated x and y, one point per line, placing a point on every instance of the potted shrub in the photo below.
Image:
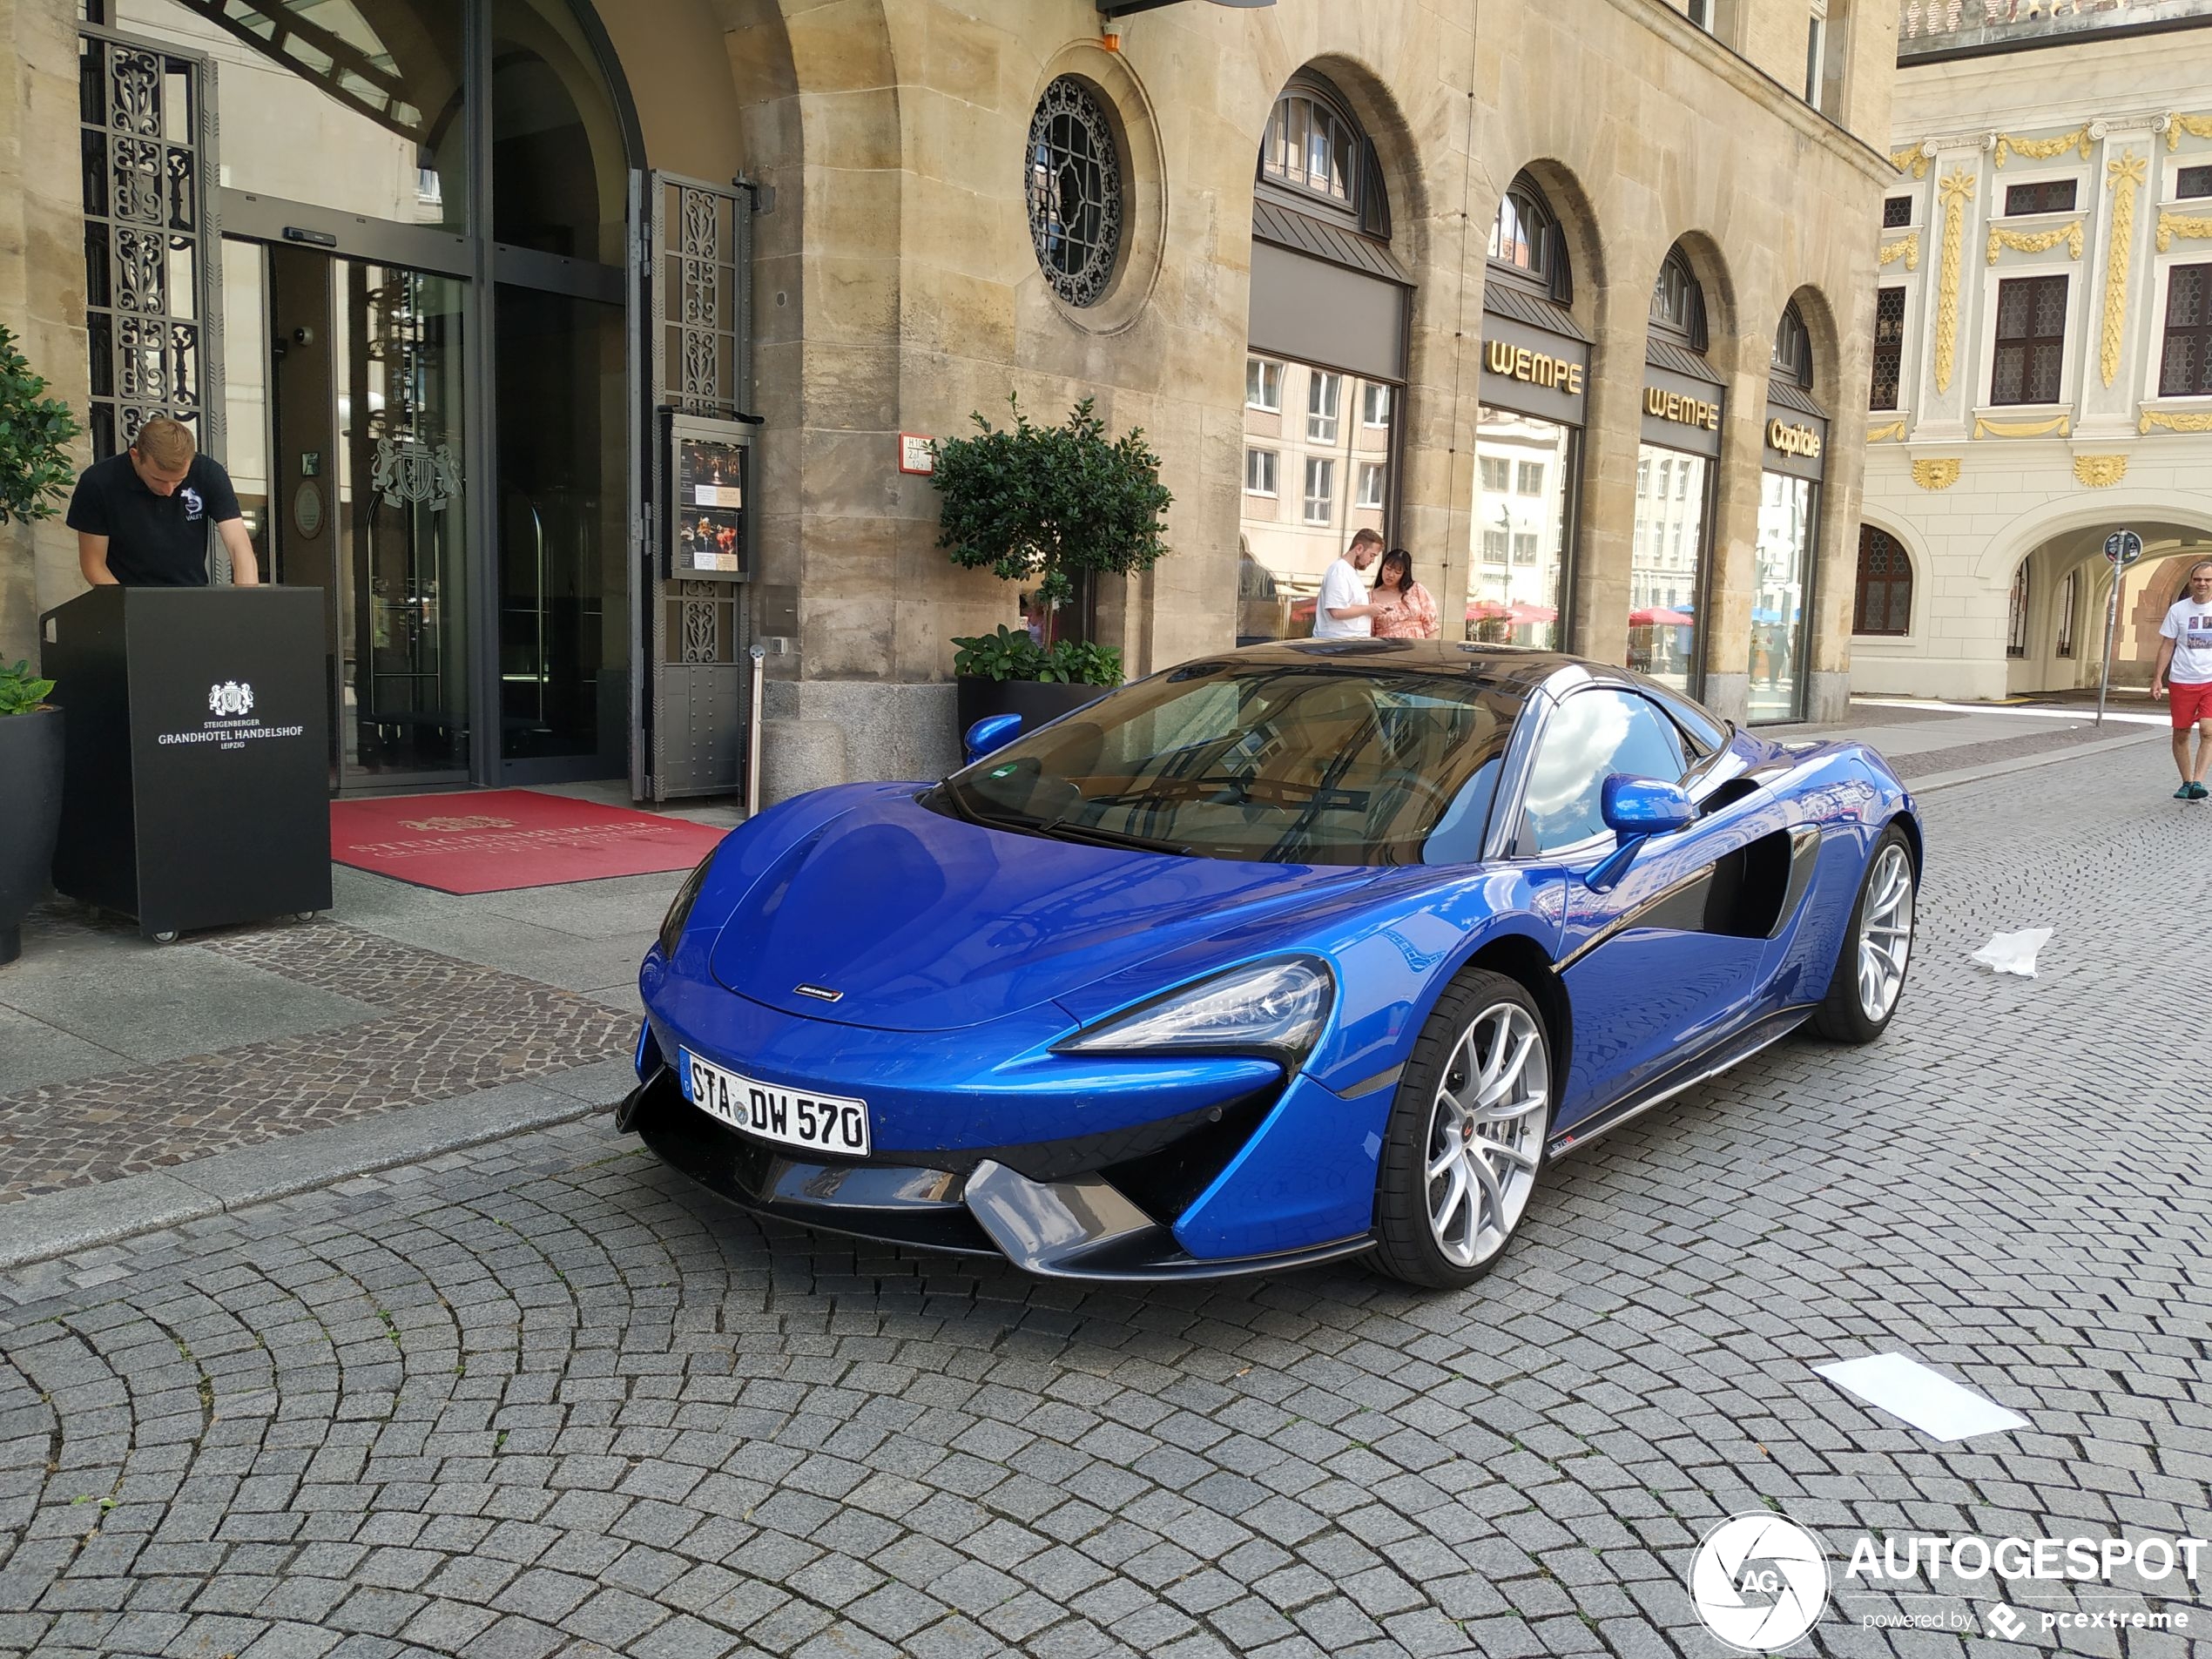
35	469
1057	508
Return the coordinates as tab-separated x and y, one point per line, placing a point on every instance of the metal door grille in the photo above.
694	267
152	270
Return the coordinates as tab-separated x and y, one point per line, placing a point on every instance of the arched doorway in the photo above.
1325	376
416	320
2057	600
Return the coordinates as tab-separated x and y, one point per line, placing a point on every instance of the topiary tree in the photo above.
36	470
1051	504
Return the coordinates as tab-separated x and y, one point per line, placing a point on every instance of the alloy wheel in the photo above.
1486	1133
1884	932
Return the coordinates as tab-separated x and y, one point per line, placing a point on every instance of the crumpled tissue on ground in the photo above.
2014	953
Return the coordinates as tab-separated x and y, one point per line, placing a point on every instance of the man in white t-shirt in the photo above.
1347	609
2184	672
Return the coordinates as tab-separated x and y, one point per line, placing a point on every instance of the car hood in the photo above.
921	922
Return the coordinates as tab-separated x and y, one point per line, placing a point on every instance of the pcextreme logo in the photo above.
1759	1582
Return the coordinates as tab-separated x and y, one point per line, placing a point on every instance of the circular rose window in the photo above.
1074	192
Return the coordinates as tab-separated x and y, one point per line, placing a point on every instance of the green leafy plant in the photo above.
19	692
1078	662
1009	654
1052	505
35	431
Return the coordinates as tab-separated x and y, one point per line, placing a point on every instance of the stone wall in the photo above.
41	280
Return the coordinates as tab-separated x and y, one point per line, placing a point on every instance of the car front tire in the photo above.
1466	1139
1869	977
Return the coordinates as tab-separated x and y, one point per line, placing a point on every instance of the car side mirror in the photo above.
992	731
1636	809
1633	807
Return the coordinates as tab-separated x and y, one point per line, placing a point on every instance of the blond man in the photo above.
141	518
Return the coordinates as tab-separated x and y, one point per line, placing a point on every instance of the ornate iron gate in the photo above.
152	251
692	276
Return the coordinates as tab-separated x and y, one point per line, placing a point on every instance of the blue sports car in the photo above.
1297	952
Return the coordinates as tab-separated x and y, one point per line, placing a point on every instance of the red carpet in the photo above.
492	841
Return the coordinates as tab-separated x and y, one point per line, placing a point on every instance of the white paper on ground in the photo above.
2014	953
1927	1400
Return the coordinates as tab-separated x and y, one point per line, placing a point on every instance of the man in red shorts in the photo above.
2185	668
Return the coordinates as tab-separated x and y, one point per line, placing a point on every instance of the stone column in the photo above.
1605	533
41	280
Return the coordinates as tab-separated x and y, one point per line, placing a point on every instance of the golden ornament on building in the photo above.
1905	247
2197	126
2056	426
2126	173
2175	423
2194	226
1935	474
2043	148
1894	430
1957	189
2100	472
1913	158
2036	241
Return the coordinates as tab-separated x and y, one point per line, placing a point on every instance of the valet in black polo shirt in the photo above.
142	517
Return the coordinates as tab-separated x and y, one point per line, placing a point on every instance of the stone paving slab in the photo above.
541	1397
432	1029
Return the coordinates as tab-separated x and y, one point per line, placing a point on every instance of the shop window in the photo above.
1678	300
1263	385
1792	358
2068	591
2193	181
1896	212
1782	576
1664	636
1374	405
2044	196
1524	517
1316	151
2031	339
1320	489
1371	485
1259	472
1323	395
1883	602
2016	614
1889	348
2185	361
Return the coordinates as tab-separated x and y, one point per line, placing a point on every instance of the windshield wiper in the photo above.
1099	835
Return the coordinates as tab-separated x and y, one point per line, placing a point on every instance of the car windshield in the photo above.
1284	763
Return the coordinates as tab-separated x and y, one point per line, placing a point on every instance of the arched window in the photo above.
1316	150
1793	348
1677	301
1884	604
2069	592
2016	614
1526	237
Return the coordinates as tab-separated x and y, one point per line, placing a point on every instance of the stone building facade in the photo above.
2044	318
1617	233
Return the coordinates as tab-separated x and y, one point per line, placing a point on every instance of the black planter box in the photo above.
1035	701
196	789
30	782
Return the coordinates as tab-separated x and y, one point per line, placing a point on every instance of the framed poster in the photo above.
710	507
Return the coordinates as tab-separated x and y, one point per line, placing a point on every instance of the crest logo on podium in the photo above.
231	697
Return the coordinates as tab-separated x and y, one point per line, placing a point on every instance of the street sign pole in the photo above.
2122	549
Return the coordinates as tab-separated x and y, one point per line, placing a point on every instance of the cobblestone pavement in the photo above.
543	1398
438	1028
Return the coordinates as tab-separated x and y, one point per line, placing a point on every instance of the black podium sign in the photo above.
197	788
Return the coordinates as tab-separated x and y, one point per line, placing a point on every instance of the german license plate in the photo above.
787	1116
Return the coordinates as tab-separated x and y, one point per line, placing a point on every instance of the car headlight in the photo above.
679	907
1272	1009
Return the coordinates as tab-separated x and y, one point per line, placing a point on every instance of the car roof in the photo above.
1519	669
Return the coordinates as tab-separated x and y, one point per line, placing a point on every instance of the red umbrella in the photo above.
1659	617
1497	611
1533	613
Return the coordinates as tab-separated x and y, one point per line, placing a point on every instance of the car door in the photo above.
1657	965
